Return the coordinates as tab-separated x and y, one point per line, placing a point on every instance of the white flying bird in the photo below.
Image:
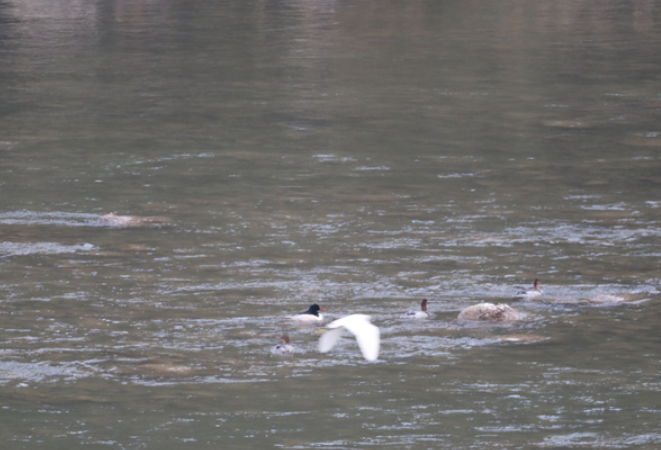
359	325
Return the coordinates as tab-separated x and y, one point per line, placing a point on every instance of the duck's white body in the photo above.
283	349
367	335
530	293
416	315
306	318
489	311
421	314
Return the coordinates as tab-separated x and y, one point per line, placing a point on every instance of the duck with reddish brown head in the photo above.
285	348
421	314
530	293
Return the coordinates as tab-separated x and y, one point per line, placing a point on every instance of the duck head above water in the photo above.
314	310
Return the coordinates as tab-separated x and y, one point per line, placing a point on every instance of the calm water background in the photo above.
362	155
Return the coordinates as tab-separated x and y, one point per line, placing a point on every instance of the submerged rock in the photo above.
115	221
521	338
566	124
600	300
489	311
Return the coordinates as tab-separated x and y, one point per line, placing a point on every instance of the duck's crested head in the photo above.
423	305
536	283
285	339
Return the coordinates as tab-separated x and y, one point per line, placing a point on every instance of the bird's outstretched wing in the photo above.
359	325
329	338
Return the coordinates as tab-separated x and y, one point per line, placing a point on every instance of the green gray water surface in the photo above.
362	155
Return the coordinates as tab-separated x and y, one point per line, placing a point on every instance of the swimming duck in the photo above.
366	334
422	314
311	314
489	311
285	348
530	293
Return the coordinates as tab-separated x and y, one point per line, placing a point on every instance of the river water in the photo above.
362	155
